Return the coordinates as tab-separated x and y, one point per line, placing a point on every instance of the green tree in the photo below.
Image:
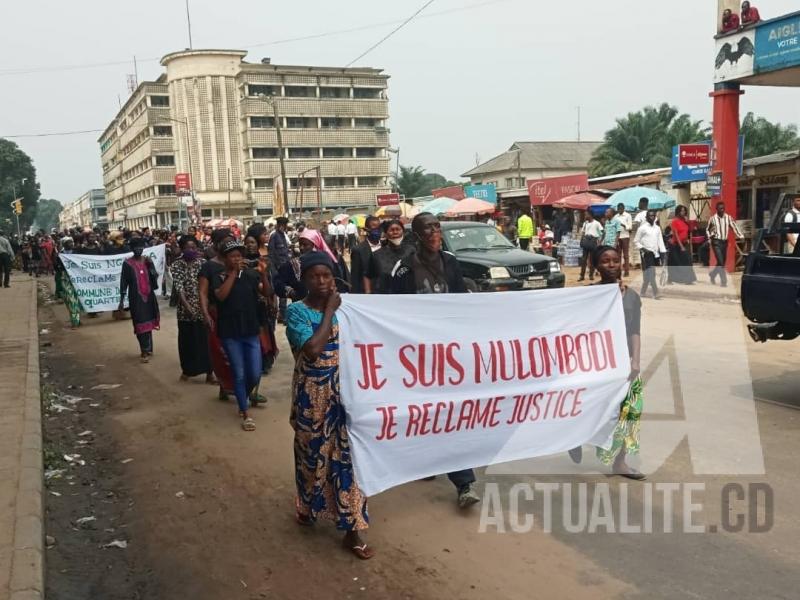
17	175
644	140
762	137
415	182
47	211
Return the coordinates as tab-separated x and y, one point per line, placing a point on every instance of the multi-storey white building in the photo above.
213	115
87	211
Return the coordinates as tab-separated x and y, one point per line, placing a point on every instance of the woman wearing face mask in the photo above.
139	281
362	254
291	284
378	278
266	307
192	333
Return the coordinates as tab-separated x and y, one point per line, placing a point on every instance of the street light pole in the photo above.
271	102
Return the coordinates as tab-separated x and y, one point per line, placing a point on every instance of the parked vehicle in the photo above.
490	263
771	281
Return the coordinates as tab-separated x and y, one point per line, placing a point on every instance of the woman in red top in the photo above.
679	260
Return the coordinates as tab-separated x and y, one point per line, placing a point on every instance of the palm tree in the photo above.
762	137
644	140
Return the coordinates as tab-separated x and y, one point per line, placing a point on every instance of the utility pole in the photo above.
270	100
189	24
579	123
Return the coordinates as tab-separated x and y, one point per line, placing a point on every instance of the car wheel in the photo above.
472	287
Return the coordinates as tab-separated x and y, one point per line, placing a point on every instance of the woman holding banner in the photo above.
625	439
139	281
326	485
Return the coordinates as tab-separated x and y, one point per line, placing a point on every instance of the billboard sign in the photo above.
486	192
714	184
735	56
694	154
387	199
688	173
454	192
183	184
544	192
778	44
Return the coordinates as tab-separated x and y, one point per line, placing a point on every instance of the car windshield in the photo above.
476	238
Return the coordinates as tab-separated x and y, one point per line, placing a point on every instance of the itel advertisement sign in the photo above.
388	199
694	154
183	184
544	192
454	192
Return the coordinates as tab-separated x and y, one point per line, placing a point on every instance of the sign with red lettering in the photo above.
454	192
183	184
388	199
545	192
694	154
445	389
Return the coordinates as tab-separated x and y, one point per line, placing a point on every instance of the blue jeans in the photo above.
244	355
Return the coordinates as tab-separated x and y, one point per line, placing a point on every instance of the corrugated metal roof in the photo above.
772	158
539	155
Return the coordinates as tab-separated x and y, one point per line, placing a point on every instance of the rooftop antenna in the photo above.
132	85
189	24
136	71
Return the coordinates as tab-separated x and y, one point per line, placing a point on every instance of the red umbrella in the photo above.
581	201
471	206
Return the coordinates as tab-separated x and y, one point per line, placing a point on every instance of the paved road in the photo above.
230	534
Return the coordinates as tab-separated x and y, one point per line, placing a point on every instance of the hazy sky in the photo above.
464	83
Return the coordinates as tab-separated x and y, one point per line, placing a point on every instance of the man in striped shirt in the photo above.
719	228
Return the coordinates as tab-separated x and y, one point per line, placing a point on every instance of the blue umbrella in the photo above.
630	198
439	206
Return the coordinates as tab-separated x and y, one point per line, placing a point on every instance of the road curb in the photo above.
27	565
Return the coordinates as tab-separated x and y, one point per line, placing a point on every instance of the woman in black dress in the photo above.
139	281
378	277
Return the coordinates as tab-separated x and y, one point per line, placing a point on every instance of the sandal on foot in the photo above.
249	424
364	552
303	520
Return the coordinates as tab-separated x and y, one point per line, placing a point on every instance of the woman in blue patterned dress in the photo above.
326	485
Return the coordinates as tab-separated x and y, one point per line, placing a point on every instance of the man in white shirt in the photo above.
719	229
649	241
625	226
351	230
341	235
641	216
793	217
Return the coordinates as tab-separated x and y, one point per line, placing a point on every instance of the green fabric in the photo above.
70	299
626	433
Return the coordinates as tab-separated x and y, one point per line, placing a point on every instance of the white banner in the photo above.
439	383
96	278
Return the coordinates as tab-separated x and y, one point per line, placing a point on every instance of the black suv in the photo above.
490	263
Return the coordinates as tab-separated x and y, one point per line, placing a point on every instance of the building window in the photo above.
334	92
101	212
339	182
367	123
510	182
162	131
301	123
366	93
262	184
165	160
166	190
336	153
302	152
369	182
159	101
262	122
206	213
300	91
334	123
265	153
266	90
367	152
295	183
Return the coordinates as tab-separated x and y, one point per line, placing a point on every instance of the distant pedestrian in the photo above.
719	229
278	256
139	281
361	256
649	242
6	260
679	257
525	229
341	237
591	233
625	227
792	217
351	231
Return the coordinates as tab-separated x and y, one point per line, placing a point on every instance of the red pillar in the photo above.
726	155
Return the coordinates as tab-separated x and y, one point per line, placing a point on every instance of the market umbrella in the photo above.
582	201
398	210
439	206
359	220
342	217
658	200
471	206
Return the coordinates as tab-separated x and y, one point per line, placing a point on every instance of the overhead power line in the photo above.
8	72
390	34
52	133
